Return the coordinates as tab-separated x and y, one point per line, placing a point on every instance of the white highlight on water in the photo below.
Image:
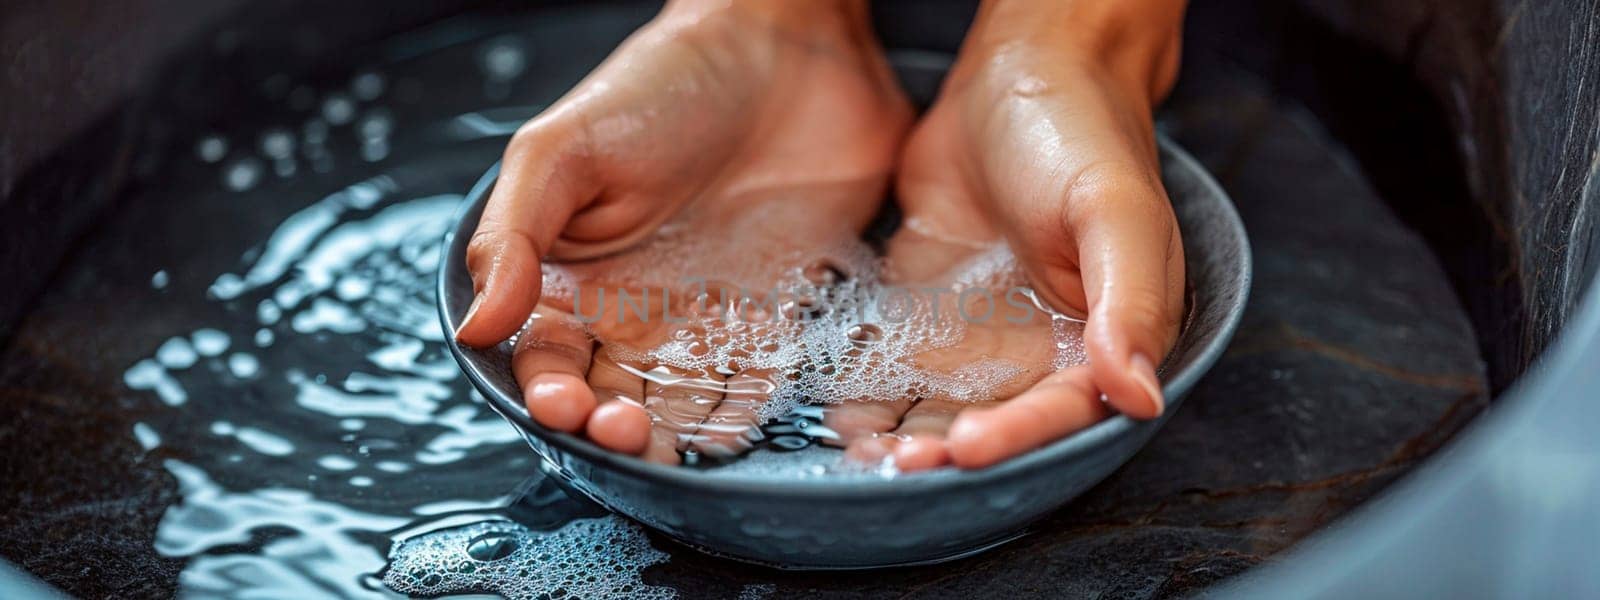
147	436
177	353
312	563
243	366
148	374
210	342
378	271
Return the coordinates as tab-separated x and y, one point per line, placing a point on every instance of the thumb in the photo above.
543	181
1116	255
1131	258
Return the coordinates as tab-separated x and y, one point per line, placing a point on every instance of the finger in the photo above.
922	431
734	426
620	422
542	182
1061	404
942	225
929	417
871	450
678	403
921	453
550	364
1131	257
863	419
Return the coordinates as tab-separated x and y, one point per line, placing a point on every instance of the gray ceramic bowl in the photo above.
839	522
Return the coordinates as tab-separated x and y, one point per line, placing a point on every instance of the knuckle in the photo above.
1073	381
485	243
491	245
564	349
480	250
1143	306
1105	187
1140	319
558	134
531	138
492	240
527	137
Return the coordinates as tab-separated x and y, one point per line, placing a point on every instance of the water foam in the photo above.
823	325
586	558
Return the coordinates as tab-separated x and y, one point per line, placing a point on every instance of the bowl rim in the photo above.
1063	450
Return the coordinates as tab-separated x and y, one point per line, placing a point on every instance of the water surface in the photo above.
316	426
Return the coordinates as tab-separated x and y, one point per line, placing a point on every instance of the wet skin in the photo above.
706	115
1041	139
1045	140
582	358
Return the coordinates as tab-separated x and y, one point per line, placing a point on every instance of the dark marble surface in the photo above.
1354	362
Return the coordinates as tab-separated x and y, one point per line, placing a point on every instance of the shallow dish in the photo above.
842	522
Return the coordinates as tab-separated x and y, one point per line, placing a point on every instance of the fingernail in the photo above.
472	311
1144	372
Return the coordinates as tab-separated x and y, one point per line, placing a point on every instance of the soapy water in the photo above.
777	329
580	560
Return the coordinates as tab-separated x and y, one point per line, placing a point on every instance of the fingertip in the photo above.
1121	369
1143	371
620	426
508	268
1131	388
871	450
559	401
921	453
971	443
467	322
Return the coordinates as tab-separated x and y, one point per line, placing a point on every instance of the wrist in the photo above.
793	17
1135	41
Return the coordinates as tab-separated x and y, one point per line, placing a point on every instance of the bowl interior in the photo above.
1218	262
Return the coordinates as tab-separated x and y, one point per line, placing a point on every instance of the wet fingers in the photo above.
1056	407
551	363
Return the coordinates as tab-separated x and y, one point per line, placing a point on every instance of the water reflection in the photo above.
316	560
352	390
321	418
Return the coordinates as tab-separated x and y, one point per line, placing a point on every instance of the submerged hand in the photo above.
1043	136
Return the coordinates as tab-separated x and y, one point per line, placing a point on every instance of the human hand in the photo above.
1043	136
710	113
